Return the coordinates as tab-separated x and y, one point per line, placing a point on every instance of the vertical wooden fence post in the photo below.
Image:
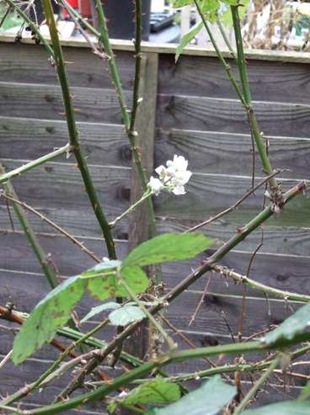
139	229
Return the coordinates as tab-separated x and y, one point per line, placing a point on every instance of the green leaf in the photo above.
102	268
106	285
181	3
187	38
157	391
102	307
209	399
167	247
226	17
135	278
281	408
50	314
210	9
126	315
305	393
293	328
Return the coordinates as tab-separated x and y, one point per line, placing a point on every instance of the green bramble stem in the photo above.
35	163
247	102
144	197
73	133
42	257
129	118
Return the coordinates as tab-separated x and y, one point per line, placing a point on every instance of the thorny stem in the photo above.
128	119
35	163
234	206
220	55
157	325
144	197
73	133
255	388
207	266
144	369
247	103
42	257
259	286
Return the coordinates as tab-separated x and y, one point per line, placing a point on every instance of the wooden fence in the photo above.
189	109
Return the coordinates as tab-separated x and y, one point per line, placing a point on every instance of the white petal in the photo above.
179	190
161	171
180	163
155	185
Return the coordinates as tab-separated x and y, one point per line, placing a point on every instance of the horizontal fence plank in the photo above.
30	64
230	153
32	138
15	377
212	152
276	240
56	185
45	102
205	76
59	185
221	313
209	194
67	257
281	271
82	223
227	115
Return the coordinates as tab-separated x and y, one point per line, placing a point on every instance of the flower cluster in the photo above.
171	178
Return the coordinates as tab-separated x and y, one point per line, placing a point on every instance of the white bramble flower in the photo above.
171	178
156	185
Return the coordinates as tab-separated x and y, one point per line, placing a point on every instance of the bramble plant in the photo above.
147	387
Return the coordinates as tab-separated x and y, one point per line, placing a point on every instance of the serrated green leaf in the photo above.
50	314
126	315
305	393
282	408
187	38
157	391
167	247
102	307
209	399
107	285
293	327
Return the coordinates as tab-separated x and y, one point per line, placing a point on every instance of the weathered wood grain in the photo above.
226	115
31	138
68	258
284	272
269	81
211	152
56	185
276	240
81	222
231	153
208	194
83	67
45	102
221	314
29	372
